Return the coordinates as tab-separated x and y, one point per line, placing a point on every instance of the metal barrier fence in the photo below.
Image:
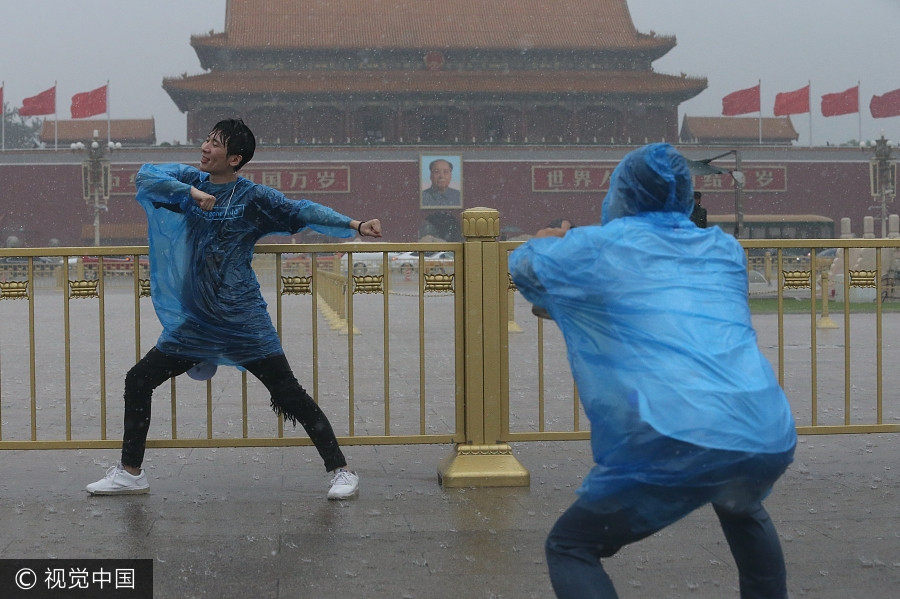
415	351
862	271
848	396
42	384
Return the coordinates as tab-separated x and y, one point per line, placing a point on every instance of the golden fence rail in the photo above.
854	401
333	295
437	358
423	404
858	265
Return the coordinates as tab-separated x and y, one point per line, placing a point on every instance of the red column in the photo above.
348	124
624	126
574	122
193	129
523	134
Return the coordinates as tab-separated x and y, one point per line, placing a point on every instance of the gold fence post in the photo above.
825	321
513	326
483	460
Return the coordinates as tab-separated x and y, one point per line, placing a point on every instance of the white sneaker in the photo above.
119	481
344	485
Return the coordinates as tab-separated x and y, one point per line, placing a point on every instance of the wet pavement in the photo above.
254	522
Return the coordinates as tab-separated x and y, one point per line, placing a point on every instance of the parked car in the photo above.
17	266
110	263
435	262
364	263
406	262
439	263
23	261
301	263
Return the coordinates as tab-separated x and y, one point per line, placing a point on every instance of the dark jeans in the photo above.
590	530
288	399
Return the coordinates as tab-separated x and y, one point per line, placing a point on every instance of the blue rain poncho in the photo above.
204	290
656	321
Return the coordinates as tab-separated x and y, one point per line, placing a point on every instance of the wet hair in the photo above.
433	162
238	139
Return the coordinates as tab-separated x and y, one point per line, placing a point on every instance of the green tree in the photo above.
20	132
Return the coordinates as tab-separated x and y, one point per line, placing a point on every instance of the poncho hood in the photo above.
654	178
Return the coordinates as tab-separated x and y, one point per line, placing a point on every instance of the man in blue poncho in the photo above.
684	408
203	224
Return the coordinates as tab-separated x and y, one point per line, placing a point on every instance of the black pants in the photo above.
589	531
592	529
288	399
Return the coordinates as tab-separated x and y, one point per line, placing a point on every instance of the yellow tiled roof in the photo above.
430	24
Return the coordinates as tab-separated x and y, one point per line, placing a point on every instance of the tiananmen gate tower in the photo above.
434	71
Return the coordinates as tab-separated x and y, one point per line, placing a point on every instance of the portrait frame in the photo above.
455	189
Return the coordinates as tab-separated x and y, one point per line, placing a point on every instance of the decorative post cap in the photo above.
480	223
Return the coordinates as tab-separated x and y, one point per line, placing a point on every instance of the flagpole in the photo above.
809	107
760	110
858	114
3	117
55	120
108	120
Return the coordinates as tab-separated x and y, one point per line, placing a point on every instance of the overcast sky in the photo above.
785	43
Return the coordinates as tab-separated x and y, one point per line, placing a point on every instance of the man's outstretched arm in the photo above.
172	184
280	214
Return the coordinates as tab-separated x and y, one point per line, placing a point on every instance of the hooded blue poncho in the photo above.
204	290
657	326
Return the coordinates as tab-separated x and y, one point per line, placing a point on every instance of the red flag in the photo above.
795	102
89	103
845	102
885	106
43	103
741	101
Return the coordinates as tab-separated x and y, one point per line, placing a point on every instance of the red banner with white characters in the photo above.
757	178
570	178
590	178
289	180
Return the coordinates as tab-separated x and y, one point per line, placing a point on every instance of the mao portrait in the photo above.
440	181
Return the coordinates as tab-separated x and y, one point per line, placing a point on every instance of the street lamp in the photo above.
704	167
882	176
95	176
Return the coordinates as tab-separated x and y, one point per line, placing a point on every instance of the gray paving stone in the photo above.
216	530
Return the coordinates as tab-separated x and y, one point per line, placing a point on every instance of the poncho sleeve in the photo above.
167	185
526	280
278	214
535	264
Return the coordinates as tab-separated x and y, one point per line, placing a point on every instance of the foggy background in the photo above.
785	43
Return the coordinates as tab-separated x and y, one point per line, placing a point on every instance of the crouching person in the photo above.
684	409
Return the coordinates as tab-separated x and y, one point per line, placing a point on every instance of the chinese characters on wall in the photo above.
287	179
589	178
